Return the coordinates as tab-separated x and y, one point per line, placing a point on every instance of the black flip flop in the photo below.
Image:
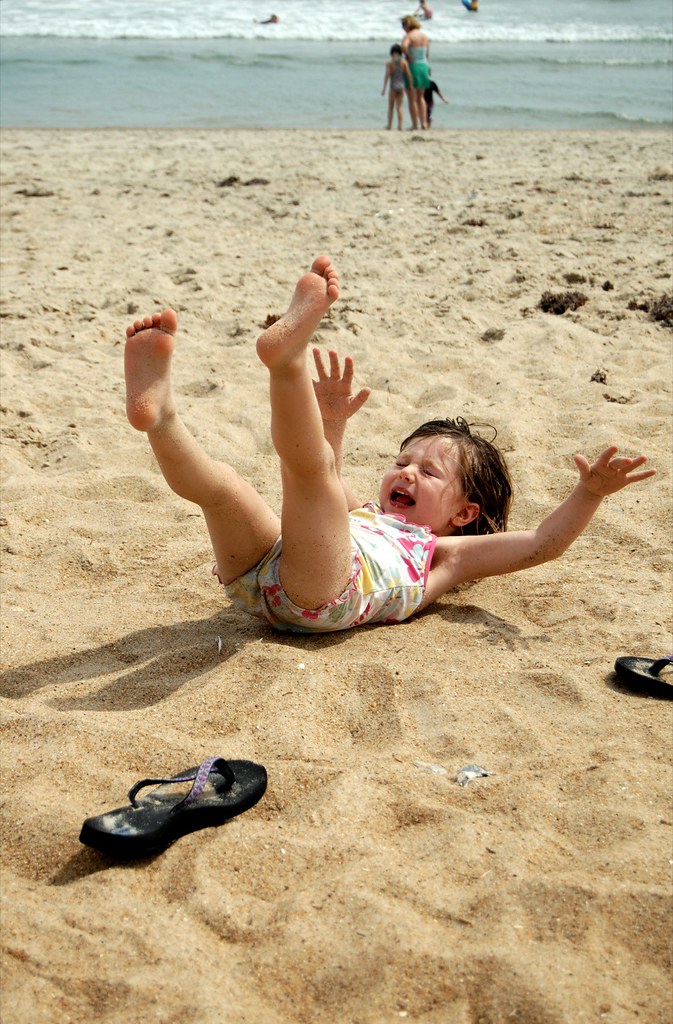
221	790
642	674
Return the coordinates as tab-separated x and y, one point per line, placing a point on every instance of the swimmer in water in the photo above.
423	11
273	20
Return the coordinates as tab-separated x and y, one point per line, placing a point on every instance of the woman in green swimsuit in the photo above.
416	48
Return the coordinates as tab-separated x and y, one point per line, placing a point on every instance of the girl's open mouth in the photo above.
401	498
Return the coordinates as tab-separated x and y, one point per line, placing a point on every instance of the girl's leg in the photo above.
241	525
411	97
400	108
316	560
420	108
391	100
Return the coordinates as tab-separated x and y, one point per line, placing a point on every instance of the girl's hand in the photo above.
608	474
333	392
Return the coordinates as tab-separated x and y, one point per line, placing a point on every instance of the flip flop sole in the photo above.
154	824
637	674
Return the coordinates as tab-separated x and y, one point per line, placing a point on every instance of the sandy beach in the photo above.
366	886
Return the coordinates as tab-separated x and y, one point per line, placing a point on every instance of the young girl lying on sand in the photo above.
330	563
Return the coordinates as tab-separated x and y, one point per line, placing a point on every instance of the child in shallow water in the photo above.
330	563
397	78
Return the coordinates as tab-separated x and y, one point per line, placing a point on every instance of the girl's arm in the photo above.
337	404
385	80
459	559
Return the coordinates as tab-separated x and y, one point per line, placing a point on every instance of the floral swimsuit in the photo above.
391	562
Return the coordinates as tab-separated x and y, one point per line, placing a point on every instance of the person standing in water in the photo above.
397	78
423	11
416	48
430	100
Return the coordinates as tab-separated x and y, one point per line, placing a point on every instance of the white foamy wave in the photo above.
519	21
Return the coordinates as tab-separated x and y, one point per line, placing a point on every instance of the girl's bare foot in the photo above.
285	341
147	367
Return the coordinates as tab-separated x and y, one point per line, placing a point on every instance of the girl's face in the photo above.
425	486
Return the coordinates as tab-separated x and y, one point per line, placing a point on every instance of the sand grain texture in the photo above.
364	888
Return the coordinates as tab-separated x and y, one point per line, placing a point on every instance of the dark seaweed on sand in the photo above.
662	310
559	302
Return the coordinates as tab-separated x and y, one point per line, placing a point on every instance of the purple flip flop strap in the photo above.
200	777
656	668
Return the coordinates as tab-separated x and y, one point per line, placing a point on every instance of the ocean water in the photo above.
173	63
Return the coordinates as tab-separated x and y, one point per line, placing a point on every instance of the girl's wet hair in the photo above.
485	476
